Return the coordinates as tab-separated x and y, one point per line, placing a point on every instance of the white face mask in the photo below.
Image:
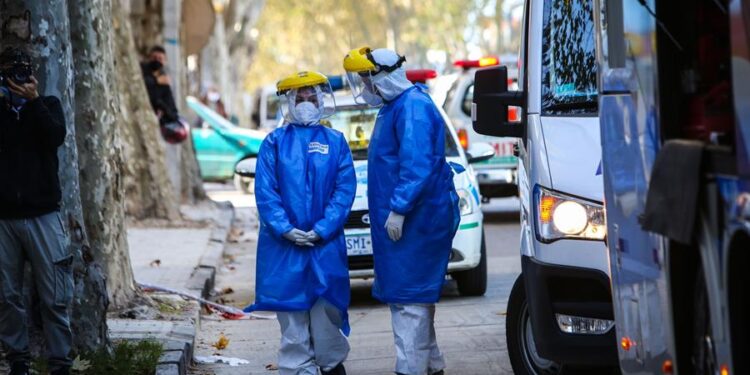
307	113
372	99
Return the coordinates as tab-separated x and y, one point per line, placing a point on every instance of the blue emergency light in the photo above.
337	82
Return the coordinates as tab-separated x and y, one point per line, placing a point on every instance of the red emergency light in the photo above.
420	75
484	61
463	138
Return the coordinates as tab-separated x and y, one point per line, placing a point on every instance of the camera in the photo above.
18	73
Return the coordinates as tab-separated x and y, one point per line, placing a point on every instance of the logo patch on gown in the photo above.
320	148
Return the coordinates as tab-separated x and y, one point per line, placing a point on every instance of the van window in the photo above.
569	58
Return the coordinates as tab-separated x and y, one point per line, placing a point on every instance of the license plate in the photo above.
359	245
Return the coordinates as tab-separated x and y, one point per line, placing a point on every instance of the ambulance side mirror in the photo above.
489	109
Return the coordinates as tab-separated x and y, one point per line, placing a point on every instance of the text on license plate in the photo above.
359	245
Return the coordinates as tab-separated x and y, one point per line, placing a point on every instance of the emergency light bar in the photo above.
484	61
337	82
420	75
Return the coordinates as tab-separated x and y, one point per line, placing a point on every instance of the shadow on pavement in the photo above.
501	217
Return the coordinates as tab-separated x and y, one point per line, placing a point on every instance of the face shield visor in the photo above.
308	105
363	89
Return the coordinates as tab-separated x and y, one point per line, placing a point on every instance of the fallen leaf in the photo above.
234	235
227	290
222	343
80	364
155	263
272	367
502	313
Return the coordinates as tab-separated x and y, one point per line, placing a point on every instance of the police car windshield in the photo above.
357	123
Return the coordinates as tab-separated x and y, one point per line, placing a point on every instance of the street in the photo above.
471	331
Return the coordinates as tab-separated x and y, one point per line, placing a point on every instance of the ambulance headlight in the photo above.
570	217
560	216
465	205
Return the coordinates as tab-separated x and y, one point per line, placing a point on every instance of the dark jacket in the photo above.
160	96
29	185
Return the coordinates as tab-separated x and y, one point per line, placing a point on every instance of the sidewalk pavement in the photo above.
181	257
471	331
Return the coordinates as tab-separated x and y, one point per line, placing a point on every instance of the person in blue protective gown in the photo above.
413	204
304	188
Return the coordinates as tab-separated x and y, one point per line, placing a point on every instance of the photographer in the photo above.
32	127
158	86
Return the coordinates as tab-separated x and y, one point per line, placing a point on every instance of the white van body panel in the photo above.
574	153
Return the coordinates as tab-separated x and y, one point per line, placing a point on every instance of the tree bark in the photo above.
100	156
180	162
148	191
192	183
146	19
43	27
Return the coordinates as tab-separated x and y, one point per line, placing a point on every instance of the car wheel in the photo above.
520	338
243	185
473	282
704	360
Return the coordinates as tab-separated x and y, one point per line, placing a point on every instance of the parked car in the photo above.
497	177
266	113
220	145
560	314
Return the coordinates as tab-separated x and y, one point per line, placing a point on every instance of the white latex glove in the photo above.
312	236
298	237
394	225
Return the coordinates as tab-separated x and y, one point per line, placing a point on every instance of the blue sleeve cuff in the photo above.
320	229
282	229
400	207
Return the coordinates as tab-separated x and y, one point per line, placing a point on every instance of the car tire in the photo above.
245	187
520	340
473	282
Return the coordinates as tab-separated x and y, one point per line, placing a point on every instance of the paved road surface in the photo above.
471	331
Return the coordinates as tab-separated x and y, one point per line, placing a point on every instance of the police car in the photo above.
454	92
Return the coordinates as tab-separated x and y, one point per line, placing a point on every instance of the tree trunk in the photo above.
180	163
100	155
499	22
192	184
146	19
43	26
148	191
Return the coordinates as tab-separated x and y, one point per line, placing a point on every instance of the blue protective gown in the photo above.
408	174
304	179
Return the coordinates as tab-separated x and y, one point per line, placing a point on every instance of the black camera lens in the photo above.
21	78
19	74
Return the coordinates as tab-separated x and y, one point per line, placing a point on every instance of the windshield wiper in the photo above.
360	154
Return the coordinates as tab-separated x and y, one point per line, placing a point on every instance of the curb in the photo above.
178	337
203	278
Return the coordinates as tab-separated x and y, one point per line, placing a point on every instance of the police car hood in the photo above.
574	155
360	169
